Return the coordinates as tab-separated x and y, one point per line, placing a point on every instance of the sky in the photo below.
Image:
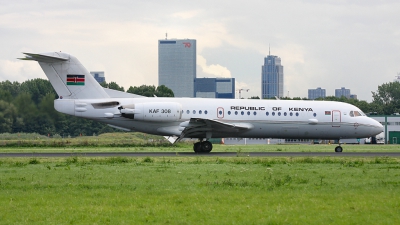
322	43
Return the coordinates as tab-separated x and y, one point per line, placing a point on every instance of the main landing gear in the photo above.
338	148
202	147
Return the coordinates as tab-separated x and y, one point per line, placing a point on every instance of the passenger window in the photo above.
187	111
236	112
242	113
205	112
267	113
273	113
200	112
194	111
229	112
255	113
248	113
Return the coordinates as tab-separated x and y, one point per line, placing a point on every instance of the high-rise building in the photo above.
352	96
214	87
397	78
177	65
98	76
342	92
316	93
272	77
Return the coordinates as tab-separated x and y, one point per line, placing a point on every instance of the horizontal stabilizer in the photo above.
44	57
120	94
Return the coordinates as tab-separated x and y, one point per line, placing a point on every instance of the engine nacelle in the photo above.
153	111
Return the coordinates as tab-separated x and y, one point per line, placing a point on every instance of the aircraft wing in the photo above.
206	127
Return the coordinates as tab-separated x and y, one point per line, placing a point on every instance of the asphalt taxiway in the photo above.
211	154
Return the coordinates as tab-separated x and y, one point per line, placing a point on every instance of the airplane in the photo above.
202	118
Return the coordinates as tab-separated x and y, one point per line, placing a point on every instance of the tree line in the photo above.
385	101
28	107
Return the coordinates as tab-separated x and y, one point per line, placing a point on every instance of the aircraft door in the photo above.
220	112
336	118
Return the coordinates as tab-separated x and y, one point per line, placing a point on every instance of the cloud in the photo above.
186	14
213	70
326	44
19	70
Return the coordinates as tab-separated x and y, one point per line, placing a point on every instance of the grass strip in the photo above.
193	190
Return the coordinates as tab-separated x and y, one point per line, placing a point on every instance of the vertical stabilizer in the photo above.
68	76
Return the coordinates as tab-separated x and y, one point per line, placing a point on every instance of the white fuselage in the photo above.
264	118
81	95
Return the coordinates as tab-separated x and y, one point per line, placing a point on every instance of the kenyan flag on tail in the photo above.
75	79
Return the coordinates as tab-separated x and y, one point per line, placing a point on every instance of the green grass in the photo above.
199	190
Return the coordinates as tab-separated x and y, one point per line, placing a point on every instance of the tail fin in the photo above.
67	76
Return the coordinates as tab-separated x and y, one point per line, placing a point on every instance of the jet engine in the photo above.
152	111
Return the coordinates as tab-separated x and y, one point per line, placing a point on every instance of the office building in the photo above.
316	93
397	78
98	76
353	96
272	77
214	87
177	65
342	92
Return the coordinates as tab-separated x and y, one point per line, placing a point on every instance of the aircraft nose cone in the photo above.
377	127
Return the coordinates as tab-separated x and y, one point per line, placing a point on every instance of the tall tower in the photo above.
272	77
177	65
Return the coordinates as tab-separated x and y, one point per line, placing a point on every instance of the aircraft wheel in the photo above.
197	147
338	149
206	146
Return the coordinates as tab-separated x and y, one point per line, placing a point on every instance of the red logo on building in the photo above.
187	44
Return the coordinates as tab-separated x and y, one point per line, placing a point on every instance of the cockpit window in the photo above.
356	113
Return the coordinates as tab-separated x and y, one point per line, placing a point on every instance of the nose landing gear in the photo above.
338	148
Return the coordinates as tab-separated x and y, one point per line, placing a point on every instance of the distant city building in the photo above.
342	92
272	77
98	76
353	96
214	87
316	93
397	78
177	65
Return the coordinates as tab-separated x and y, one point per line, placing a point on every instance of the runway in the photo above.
212	154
